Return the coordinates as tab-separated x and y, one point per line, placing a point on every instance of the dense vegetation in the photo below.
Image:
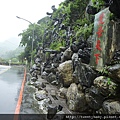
63	26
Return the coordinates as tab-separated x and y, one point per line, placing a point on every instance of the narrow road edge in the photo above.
17	110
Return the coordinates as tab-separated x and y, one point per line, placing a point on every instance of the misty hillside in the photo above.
13	53
8	46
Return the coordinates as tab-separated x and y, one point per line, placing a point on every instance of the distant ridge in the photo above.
9	45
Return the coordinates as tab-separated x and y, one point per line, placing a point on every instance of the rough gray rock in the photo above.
114	72
34	66
48	69
51	77
38	68
84	73
74	47
62	49
106	85
44	75
40	95
38	65
59	116
43	105
65	70
37	60
33	79
87	75
62	92
74	56
67	55
111	107
76	99
75	67
54	82
94	98
39	85
52	110
35	74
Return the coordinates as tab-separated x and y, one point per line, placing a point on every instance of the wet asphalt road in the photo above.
10	84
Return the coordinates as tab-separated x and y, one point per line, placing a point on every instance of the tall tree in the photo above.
27	37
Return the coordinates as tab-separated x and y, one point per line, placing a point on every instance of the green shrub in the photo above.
56	45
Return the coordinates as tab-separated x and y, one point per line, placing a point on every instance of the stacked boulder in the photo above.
83	88
36	69
87	90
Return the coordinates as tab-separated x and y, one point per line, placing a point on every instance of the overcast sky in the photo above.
32	10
